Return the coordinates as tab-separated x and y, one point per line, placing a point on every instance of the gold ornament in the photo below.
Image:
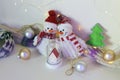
86	52
95	47
109	56
24	54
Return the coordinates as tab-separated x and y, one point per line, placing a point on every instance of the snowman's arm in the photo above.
35	41
38	38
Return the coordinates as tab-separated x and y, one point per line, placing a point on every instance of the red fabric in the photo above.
42	34
62	19
72	39
55	52
75	42
52	13
62	39
52	18
66	38
46	35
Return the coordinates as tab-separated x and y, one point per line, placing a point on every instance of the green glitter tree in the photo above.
96	37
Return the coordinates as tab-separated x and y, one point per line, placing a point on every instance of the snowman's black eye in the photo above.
51	28
47	28
63	30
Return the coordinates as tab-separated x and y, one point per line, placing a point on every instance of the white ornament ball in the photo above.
80	66
29	33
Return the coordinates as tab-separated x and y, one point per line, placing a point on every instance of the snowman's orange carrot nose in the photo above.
59	32
51	31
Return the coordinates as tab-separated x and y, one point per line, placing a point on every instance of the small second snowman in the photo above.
42	40
71	45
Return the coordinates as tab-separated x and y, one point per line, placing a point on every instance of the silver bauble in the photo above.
80	66
29	33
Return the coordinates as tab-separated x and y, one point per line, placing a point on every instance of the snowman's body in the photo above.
43	39
71	45
42	47
67	49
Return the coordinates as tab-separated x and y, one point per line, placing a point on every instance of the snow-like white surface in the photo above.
13	68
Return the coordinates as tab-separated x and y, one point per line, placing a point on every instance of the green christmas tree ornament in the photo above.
97	28
96	37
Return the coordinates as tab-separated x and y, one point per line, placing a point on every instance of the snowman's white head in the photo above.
50	27
65	29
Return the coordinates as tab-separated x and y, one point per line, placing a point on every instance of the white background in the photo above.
84	14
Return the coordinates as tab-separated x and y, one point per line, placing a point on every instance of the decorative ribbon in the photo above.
72	63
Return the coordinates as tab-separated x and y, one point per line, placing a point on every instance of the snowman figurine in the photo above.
42	40
71	45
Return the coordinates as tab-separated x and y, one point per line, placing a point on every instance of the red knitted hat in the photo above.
52	17
62	19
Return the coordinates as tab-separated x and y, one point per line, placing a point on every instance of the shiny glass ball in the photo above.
24	54
29	33
80	66
109	56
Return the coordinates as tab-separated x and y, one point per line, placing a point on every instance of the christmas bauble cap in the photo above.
52	17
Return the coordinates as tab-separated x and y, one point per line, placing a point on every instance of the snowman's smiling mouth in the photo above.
65	34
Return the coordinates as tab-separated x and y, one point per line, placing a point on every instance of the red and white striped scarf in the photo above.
72	37
45	35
